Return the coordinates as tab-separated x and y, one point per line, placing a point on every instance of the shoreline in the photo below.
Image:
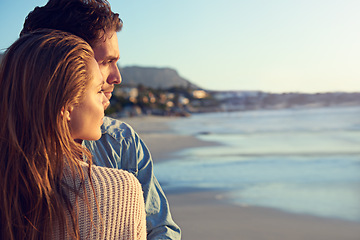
162	141
204	214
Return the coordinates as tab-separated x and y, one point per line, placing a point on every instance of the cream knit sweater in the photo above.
119	201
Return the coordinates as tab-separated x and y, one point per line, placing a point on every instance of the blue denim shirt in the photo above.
121	147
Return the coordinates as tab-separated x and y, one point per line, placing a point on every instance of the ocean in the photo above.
304	161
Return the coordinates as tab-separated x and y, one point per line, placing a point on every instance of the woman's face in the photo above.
86	118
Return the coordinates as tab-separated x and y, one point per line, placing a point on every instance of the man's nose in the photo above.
115	76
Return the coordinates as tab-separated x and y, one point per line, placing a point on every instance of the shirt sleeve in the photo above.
160	224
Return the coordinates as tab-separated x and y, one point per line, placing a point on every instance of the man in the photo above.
120	146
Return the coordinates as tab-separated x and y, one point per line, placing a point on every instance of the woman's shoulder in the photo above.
118	196
115	177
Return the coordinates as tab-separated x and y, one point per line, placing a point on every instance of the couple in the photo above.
55	88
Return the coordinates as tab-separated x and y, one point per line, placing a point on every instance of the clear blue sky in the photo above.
268	45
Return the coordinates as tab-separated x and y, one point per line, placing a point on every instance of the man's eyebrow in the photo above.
112	58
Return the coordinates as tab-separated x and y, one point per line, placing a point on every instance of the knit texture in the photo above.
119	212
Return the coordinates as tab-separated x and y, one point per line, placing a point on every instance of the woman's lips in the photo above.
108	95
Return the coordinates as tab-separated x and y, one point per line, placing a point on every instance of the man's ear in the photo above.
65	113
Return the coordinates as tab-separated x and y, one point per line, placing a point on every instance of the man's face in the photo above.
106	55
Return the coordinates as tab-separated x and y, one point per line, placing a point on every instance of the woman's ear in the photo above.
65	113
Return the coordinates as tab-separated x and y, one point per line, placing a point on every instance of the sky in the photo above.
266	45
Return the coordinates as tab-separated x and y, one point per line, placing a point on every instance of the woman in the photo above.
51	99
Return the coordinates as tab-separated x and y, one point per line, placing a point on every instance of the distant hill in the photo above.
154	77
151	77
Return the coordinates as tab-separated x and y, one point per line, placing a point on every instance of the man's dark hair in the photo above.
88	19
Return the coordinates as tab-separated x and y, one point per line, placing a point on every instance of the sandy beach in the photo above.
207	215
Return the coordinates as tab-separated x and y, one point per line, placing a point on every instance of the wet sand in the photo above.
207	215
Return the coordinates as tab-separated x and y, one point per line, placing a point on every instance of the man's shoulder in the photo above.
117	128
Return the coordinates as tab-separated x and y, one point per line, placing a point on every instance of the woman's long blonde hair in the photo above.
41	74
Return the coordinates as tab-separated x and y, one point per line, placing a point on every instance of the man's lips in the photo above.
108	91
